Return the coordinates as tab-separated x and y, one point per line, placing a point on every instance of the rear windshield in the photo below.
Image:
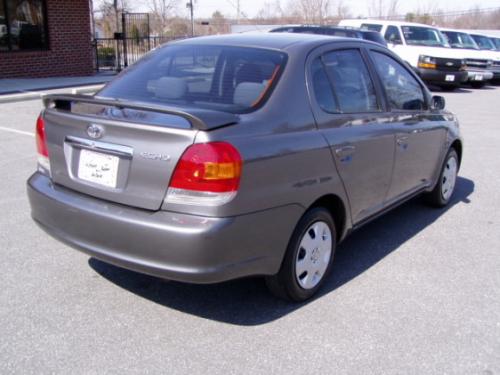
371	27
226	78
423	36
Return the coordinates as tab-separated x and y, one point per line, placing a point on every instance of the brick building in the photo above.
44	38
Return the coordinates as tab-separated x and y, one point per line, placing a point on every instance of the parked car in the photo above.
489	44
423	47
479	64
373	36
221	157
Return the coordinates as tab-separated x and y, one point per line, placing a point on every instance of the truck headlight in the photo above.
426	62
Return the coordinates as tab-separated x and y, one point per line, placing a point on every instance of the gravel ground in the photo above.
415	292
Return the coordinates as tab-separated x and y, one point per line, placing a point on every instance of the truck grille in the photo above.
451	65
476	63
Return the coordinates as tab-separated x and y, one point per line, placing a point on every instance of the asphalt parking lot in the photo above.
415	292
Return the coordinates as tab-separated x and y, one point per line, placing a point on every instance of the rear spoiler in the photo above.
202	119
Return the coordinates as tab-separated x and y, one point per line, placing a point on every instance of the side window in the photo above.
351	81
403	90
321	87
392	35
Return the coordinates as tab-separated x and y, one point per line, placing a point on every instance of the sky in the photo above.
205	8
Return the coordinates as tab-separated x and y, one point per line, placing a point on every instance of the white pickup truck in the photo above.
423	47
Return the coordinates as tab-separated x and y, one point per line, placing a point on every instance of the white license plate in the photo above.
449	78
478	77
98	168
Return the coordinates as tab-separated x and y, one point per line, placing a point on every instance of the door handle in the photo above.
402	140
345	151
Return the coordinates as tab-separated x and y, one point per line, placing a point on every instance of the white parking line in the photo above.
16	131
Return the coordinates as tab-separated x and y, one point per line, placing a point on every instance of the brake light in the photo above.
206	174
41	145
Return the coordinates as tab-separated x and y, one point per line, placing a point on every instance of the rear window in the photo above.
226	78
371	27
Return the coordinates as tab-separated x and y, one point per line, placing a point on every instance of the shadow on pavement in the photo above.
246	302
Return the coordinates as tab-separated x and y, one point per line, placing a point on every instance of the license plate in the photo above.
449	78
478	77
98	168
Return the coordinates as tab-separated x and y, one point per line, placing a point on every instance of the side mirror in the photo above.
437	102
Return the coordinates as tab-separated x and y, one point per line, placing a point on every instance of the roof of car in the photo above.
390	22
264	40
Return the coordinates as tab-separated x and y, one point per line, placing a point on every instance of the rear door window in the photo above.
402	89
351	81
227	78
322	89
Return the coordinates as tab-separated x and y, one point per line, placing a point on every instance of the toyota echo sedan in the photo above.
222	157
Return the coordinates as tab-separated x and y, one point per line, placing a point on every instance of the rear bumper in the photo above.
439	77
164	244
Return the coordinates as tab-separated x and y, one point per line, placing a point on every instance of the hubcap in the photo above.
314	254
449	178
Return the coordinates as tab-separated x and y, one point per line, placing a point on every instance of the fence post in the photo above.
124	30
149	36
96	51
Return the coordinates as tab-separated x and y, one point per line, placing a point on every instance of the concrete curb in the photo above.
33	95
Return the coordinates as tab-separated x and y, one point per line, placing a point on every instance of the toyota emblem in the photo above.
95	131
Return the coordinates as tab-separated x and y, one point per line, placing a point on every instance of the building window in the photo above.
23	25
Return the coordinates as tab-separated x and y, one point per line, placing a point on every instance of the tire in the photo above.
477	85
311	248
448	88
441	195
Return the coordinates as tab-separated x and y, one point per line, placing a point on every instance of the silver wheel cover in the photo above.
313	256
449	177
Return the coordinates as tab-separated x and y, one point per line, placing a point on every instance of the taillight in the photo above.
207	174
41	145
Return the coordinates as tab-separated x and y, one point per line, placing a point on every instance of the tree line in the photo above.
169	18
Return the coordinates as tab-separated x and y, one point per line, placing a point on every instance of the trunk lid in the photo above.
120	152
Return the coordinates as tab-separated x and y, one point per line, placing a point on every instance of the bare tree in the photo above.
161	12
383	8
312	11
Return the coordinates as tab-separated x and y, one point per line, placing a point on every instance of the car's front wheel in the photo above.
308	258
477	84
443	191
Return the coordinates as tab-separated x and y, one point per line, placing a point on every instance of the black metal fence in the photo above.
116	54
128	45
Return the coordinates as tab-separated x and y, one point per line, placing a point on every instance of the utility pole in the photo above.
191	10
237	11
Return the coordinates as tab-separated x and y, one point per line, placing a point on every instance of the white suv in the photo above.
421	46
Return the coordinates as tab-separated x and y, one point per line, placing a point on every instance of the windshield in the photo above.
226	78
483	42
496	41
460	40
423	36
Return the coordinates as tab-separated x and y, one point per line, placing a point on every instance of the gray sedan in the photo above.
222	157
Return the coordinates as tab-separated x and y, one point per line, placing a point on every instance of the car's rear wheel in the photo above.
308	258
443	191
